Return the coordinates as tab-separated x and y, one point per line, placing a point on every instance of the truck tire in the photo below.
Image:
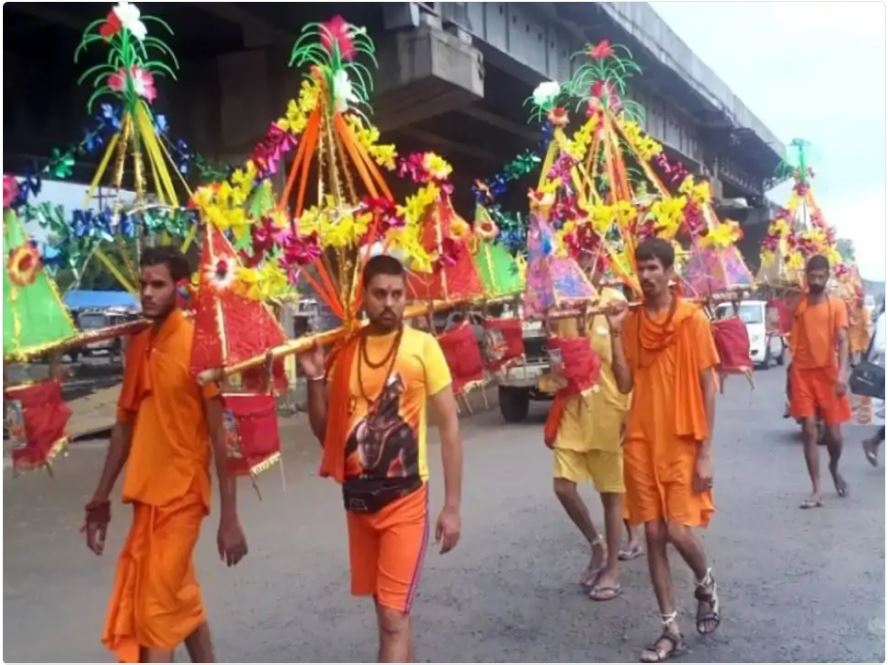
514	404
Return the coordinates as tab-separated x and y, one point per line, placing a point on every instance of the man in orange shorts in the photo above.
588	446
166	427
665	354
368	409
819	374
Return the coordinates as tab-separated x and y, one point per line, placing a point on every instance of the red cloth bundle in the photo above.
732	343
580	364
784	314
504	342
463	357
36	416
252	434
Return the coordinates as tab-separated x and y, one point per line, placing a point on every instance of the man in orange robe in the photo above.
819	374
165	423
666	355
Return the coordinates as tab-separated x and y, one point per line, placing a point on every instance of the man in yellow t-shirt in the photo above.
588	446
368	409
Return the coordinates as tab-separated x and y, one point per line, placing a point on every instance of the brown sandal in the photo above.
706	594
669	645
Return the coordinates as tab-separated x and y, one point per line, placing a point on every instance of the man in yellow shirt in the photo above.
588	446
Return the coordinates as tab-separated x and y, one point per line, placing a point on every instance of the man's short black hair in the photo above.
382	264
817	262
169	256
656	248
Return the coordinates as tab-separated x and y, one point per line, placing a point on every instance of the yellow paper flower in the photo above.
625	213
646	146
699	193
602	217
669	214
437	166
417	204
299	109
795	261
459	229
722	236
368	137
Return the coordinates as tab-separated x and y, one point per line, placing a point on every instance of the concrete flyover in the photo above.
453	77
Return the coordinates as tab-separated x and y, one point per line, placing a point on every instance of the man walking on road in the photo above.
368	410
665	354
819	374
165	426
588	446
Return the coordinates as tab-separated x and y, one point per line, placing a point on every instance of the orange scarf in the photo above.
139	386
339	370
651	339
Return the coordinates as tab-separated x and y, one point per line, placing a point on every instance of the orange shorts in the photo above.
387	548
813	391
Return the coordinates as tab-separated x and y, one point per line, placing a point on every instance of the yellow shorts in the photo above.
604	469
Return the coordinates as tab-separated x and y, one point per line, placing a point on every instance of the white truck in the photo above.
519	384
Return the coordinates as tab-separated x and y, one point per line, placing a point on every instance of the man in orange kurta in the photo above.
667	356
819	374
165	424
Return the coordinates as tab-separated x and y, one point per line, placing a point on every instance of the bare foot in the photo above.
870	449
596	563
838	481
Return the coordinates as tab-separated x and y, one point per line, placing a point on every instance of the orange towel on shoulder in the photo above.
339	371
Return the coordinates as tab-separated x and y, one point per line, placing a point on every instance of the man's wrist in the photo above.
451	505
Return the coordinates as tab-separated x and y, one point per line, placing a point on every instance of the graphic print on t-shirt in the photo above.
382	444
387	408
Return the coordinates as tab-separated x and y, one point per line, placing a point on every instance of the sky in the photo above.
810	70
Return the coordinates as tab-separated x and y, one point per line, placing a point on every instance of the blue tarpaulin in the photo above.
100	300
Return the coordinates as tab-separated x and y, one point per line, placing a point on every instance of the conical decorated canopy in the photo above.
230	326
34	318
499	272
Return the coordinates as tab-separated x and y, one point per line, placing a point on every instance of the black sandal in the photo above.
675	643
707	593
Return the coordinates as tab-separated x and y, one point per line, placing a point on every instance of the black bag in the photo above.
868	378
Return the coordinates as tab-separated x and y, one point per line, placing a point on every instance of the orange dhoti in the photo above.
813	392
156	601
659	483
667	423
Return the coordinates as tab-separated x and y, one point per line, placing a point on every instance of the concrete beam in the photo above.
500	122
644	24
448	146
425	72
257	31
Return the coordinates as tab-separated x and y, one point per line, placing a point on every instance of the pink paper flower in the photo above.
142	80
10	190
601	50
301	251
335	33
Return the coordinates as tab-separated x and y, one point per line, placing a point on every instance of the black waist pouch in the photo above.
370	496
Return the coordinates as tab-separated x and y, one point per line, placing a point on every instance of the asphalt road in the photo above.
795	585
